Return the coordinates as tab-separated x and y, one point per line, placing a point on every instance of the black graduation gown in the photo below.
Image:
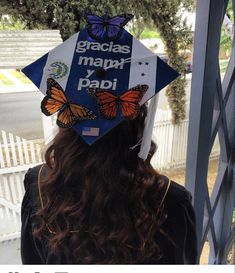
180	227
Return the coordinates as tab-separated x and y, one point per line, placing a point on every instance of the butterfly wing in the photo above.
130	100
55	98
114	32
107	102
65	118
115	25
72	113
94	19
81	112
50	106
95	26
120	20
55	91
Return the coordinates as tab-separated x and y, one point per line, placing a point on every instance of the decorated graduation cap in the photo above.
99	77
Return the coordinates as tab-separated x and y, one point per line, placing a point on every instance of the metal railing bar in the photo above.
209	224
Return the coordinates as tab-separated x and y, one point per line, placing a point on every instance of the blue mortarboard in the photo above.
116	65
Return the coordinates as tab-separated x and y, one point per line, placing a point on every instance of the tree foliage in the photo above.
165	15
226	39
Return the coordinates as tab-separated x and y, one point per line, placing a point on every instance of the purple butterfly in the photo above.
98	26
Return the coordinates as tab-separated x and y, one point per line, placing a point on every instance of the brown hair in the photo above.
102	202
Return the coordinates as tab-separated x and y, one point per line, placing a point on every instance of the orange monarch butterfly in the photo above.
128	102
69	113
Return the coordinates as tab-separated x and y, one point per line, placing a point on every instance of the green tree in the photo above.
9	23
67	16
165	15
226	40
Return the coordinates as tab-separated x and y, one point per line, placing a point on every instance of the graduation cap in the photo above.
98	77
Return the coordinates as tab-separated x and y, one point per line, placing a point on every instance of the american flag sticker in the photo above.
90	131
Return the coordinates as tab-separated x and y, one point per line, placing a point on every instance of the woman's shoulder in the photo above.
30	179
175	194
180	223
31	187
32	173
31	176
179	192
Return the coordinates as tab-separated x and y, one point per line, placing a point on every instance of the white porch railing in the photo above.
172	142
16	156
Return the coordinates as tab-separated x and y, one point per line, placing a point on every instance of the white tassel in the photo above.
148	128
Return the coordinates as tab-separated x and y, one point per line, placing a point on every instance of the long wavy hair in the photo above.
102	202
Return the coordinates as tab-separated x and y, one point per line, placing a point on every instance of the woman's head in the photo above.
105	192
